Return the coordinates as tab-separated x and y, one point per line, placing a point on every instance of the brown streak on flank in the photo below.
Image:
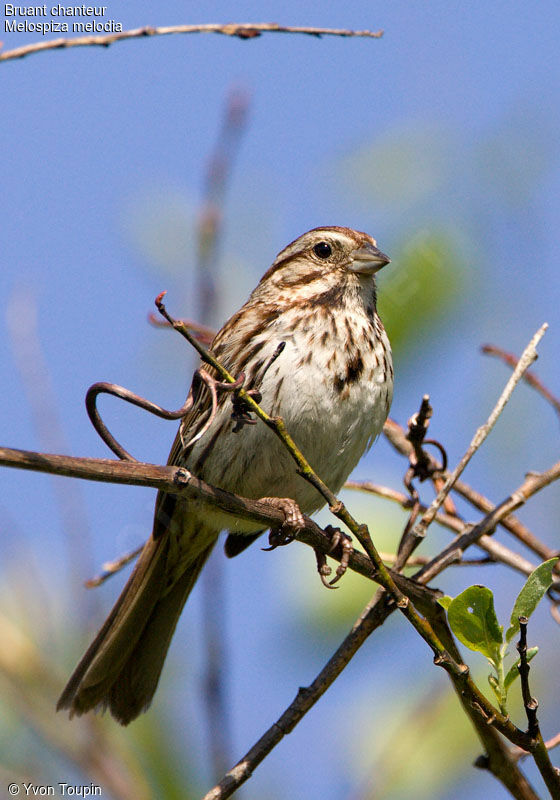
350	332
338	384
276	396
325	338
354	369
334	326
258	366
249	355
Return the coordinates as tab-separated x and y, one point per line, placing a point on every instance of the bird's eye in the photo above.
322	250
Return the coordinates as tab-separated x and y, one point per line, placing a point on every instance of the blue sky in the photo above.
103	157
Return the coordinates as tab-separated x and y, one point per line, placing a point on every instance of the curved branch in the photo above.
178	480
245	30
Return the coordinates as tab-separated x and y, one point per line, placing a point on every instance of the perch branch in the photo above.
178	480
239	30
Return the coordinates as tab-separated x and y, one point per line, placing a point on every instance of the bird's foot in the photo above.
293	521
338	539
241	412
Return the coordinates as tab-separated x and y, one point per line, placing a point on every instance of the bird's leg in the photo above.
338	539
240	414
293	521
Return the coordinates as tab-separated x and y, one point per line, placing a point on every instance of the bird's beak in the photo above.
367	259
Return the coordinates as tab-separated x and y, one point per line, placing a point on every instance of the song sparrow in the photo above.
332	384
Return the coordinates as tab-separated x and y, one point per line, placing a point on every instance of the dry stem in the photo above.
528	356
245	30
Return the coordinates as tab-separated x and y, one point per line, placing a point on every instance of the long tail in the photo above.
121	668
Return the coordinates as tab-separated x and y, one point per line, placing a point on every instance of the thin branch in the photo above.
550	744
178	480
111	568
421	466
219	168
511	523
396	436
530	703
527	358
499	759
496	550
511	360
541	755
532	484
304	700
239	30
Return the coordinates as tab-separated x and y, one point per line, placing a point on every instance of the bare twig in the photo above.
530	703
396	436
125	394
422	466
209	228
178	480
111	568
303	702
496	550
541	755
532	484
240	30
528	357
511	523
498	759
550	744
511	360
203	333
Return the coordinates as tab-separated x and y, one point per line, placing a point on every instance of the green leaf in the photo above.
445	601
513	671
530	595
473	620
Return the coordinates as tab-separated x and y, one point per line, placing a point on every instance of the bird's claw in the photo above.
338	539
293	521
241	412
